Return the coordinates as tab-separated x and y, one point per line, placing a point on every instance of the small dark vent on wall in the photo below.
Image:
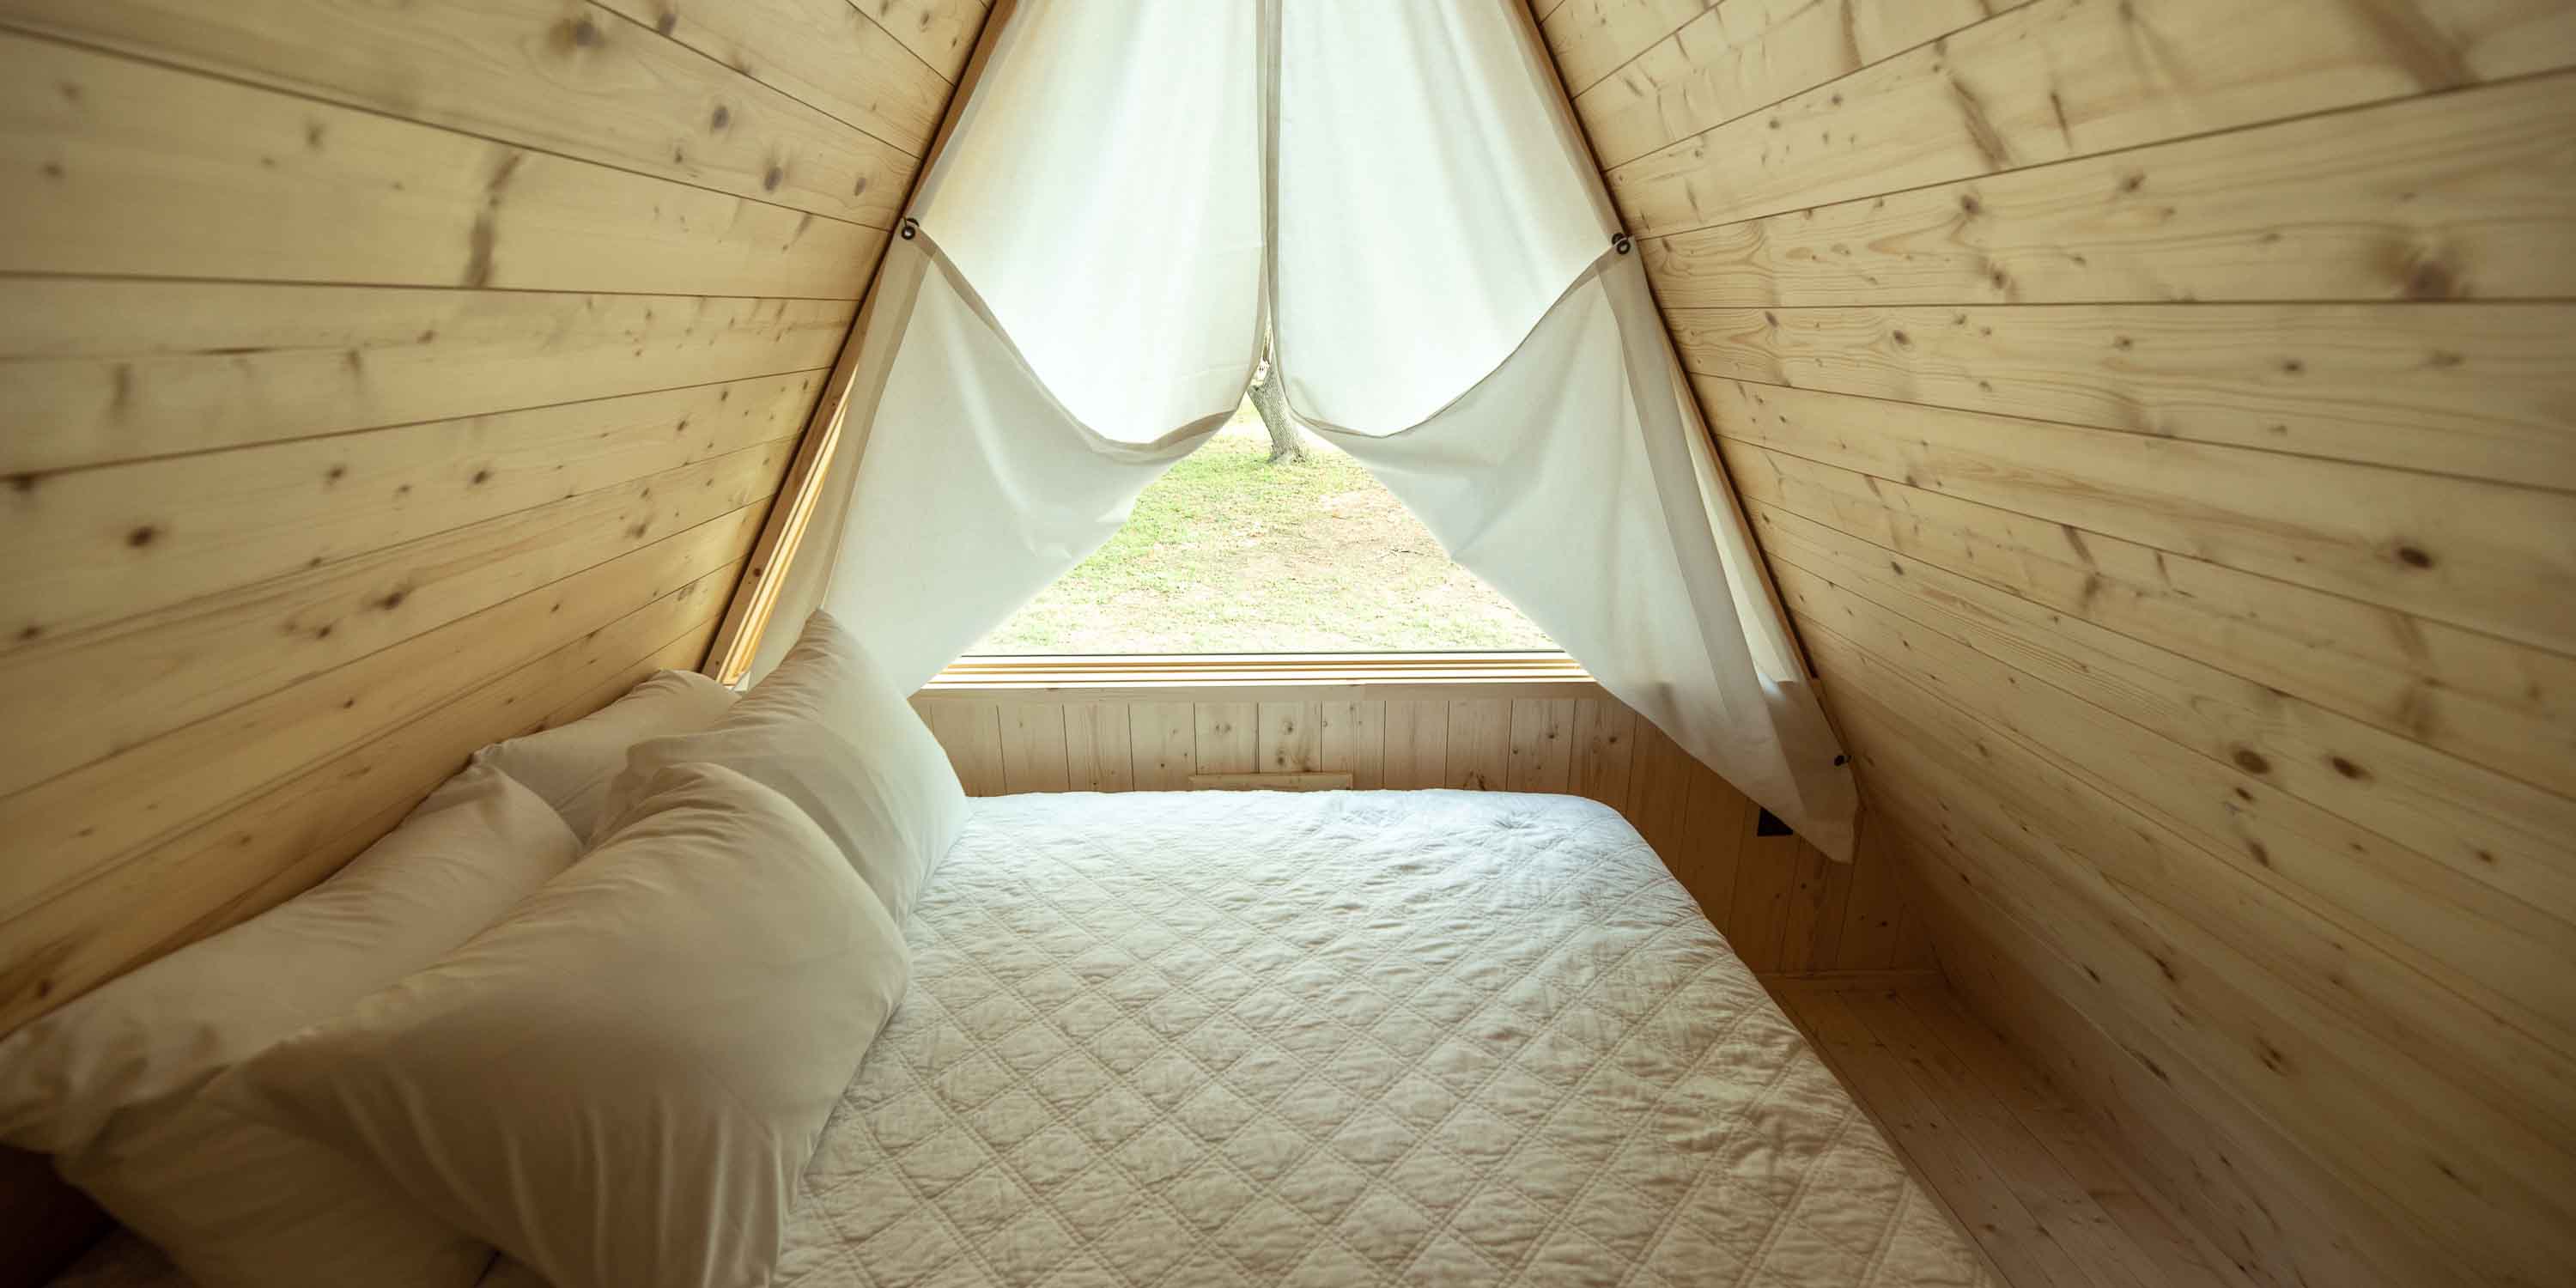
1769	824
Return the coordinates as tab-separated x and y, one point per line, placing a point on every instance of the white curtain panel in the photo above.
1103	194
1398	191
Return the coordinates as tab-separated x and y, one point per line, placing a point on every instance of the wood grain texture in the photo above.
2462	196
2067	78
2088	371
376	382
2485	556
828	53
1740	56
1319	738
565	78
143	170
94	372
2048	1199
2478	390
86	547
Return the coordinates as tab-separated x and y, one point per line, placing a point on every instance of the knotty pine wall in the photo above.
1784	907
378	381
2157	414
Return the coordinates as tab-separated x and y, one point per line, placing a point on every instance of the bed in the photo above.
1329	1038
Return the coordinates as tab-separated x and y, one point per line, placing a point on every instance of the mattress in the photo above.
1333	1038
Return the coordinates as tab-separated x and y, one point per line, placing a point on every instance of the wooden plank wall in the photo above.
378	381
2160	418
1785	907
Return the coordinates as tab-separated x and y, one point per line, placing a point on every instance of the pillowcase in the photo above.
570	766
620	1082
111	1083
830	732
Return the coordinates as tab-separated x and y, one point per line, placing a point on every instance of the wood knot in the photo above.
2347	768
2251	761
142	536
770	181
722	117
585	33
670	19
2414	557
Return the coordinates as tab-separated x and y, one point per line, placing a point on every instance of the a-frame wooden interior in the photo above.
2155	414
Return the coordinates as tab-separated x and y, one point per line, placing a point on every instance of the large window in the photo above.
1233	552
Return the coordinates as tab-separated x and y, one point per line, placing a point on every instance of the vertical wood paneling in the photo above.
1292	737
1097	736
972	734
1811	916
1711	822
1542	745
1480	745
1036	756
1163	742
1352	738
1417	744
1228	737
1604	745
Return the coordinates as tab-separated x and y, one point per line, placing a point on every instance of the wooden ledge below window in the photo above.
1225	676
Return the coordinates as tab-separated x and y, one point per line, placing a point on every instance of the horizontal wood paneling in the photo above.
2067	78
2503	705
2486	556
2097	377
1783	905
88	546
377	382
940	32
2460	199
97	371
1740	56
550	75
2478	390
829	53
298	828
80	696
134	169
2030	1183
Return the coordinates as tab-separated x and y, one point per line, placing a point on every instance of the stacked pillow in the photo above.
611	1065
619	1083
830	732
571	766
111	1083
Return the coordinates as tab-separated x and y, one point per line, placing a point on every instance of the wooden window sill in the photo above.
1219	676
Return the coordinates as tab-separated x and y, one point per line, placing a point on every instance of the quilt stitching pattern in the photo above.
1158	1041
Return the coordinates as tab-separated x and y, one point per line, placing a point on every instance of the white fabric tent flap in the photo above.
1399	192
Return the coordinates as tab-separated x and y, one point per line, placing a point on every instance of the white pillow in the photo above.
111	1082
828	731
620	1082
570	766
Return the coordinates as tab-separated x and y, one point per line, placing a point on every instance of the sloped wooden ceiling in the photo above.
379	381
2157	414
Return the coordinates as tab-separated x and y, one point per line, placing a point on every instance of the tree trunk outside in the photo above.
1272	402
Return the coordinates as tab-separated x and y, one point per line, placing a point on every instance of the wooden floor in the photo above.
2013	1160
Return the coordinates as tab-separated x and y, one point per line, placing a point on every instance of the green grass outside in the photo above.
1227	553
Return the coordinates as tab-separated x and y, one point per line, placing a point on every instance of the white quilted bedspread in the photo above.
1341	1038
